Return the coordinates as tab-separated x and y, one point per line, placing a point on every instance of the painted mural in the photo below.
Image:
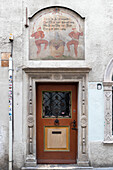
56	33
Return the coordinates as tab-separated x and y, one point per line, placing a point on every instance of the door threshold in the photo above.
57	166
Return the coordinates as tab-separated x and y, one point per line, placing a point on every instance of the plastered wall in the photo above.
11	22
96	113
98	52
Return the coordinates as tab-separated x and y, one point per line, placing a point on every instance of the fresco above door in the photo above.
56	33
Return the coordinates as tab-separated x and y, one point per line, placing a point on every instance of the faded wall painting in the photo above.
56	33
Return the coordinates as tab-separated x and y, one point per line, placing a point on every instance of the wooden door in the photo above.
56	123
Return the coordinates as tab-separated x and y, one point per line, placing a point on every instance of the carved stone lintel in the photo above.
57	76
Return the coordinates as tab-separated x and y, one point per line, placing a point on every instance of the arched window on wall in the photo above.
108	103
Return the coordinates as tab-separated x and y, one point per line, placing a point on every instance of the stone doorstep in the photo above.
57	167
75	168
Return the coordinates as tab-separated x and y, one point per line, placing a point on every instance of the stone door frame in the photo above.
62	75
108	84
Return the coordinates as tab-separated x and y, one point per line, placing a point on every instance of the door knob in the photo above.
74	125
56	122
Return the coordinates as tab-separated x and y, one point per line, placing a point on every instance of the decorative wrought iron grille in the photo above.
56	104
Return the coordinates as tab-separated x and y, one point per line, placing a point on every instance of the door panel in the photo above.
56	134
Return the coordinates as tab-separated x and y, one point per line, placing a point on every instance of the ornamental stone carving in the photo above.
108	117
84	121
108	95
30	121
107	112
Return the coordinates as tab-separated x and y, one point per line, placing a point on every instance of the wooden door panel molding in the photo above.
66	141
57	138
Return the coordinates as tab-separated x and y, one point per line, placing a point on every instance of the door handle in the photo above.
74	125
56	122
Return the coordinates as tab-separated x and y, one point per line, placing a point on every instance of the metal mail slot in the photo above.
56	132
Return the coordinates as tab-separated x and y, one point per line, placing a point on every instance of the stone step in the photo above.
76	168
57	167
72	168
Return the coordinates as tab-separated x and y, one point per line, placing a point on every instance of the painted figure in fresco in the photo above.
39	35
56	46
75	39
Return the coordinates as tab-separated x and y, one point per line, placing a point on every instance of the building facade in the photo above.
60	93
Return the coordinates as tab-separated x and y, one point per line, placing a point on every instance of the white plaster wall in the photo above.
98	52
100	154
95	113
11	22
4	117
